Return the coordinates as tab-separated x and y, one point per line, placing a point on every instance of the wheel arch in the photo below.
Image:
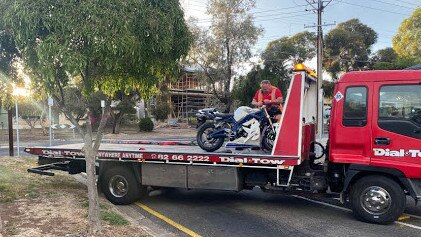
135	167
356	172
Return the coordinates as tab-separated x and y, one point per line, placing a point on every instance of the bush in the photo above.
161	111
145	125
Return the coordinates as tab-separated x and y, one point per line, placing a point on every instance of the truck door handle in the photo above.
382	141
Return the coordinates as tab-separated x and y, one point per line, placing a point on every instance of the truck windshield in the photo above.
400	109
400	102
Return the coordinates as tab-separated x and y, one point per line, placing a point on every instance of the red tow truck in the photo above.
372	157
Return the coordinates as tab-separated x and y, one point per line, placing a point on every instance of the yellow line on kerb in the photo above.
168	220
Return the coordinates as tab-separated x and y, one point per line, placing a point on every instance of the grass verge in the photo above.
29	203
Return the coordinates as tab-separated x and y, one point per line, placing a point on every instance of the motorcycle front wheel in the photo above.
206	142
268	139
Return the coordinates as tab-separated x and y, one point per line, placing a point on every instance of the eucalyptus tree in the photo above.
108	46
222	49
348	47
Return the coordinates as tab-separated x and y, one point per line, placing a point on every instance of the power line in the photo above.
282	17
278	14
264	18
373	8
410	3
279	9
393	4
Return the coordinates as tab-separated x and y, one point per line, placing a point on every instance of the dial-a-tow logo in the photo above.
413	153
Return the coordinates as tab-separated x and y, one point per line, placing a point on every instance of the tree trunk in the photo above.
94	221
117	122
114	123
90	150
10	126
90	156
41	122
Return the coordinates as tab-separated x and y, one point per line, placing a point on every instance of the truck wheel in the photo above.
377	199
120	186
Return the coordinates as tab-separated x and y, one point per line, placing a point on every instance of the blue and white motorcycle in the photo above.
243	129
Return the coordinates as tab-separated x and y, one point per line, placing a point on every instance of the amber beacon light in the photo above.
301	67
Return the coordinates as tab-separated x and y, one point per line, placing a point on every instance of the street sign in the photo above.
50	101
62	126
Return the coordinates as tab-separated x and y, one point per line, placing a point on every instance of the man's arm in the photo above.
255	103
277	101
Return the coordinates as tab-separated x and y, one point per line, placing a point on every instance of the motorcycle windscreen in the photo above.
288	139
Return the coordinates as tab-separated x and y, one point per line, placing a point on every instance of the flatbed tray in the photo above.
167	152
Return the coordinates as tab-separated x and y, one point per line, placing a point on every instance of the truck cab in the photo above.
374	145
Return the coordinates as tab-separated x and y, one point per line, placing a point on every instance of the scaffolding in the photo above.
188	95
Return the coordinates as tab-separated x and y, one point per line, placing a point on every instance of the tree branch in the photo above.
69	116
101	128
209	76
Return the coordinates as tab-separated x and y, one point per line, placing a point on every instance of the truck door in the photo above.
350	139
396	125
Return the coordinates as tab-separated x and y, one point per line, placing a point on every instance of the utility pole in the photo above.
318	7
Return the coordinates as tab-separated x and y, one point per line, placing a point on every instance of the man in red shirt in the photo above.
268	95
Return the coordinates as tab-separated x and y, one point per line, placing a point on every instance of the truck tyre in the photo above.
377	199
205	142
120	186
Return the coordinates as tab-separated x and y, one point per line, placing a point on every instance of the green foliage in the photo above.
278	58
347	47
8	49
328	88
281	54
77	104
161	110
126	107
222	49
162	106
385	55
397	64
6	89
246	87
407	42
122	45
146	125
296	48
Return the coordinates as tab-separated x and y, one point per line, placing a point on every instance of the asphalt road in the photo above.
255	213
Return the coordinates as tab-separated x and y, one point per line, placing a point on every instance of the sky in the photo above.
281	18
